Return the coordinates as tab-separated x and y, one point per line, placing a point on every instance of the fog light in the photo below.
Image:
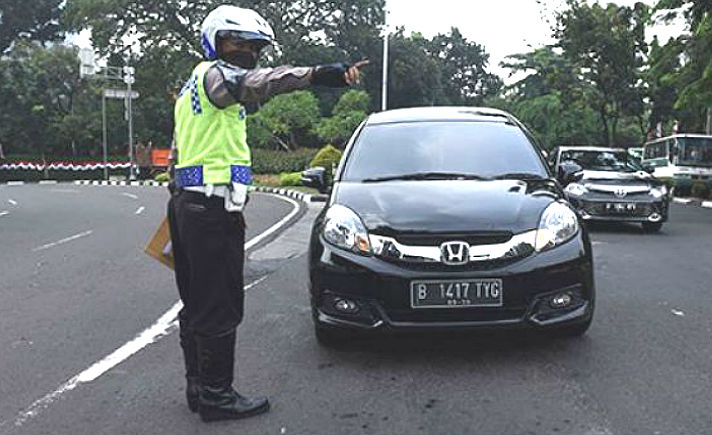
346	306
561	300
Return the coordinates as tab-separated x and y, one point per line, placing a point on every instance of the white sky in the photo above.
503	27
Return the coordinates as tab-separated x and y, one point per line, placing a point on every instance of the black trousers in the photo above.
208	248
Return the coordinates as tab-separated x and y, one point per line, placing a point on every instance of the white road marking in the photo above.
140	210
275	227
678	313
12	201
65	240
130	195
4	213
163	326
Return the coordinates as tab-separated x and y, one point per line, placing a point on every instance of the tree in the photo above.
607	46
465	79
44	107
290	118
693	79
34	19
348	113
414	76
551	99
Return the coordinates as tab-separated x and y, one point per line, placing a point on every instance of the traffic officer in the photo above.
211	177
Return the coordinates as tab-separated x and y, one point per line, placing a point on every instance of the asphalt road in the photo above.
645	366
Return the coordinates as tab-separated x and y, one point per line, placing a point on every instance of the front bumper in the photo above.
381	290
633	210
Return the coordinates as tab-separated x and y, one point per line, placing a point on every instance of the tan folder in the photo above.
159	247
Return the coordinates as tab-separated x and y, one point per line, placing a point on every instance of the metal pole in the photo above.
709	120
132	174
384	88
103	134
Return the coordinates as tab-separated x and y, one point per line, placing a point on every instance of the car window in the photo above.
485	149
598	160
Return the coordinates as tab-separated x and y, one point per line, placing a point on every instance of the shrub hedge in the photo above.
290	179
700	189
275	162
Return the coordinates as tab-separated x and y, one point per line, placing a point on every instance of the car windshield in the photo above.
600	160
696	151
442	150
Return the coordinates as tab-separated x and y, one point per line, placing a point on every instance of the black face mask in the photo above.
243	59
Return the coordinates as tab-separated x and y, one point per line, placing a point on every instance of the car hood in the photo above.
447	206
639	178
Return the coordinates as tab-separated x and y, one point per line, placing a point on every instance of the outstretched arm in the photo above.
226	85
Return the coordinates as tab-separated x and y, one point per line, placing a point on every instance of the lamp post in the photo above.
87	69
384	80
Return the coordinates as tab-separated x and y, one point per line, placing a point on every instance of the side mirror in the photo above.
316	178
568	172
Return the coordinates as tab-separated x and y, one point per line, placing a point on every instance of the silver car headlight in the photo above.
658	192
576	189
558	224
344	229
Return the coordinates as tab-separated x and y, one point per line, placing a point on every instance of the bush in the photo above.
290	179
700	189
327	157
275	162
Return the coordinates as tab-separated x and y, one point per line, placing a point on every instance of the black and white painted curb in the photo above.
693	201
122	183
301	196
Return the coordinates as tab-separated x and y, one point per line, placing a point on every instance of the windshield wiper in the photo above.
524	176
427	176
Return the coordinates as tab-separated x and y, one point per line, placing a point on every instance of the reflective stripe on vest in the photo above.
211	142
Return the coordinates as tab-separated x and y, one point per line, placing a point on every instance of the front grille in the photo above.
427	266
482	238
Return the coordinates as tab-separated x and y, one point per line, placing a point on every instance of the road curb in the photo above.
695	202
301	196
304	197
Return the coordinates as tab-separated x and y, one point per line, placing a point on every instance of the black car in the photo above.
604	184
446	218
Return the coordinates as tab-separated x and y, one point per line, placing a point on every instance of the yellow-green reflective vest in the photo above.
211	142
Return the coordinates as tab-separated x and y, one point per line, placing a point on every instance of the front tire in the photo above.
652	227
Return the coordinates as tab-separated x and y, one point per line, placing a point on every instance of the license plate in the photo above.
461	293
621	207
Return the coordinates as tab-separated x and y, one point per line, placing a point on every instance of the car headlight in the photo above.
343	228
658	192
576	189
558	224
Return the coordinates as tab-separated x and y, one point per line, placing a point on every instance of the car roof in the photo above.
440	113
591	148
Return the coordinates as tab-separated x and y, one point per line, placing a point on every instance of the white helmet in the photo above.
245	24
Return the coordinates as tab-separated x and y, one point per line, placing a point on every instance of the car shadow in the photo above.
616	227
499	344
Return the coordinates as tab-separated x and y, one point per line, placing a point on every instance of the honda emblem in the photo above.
455	253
